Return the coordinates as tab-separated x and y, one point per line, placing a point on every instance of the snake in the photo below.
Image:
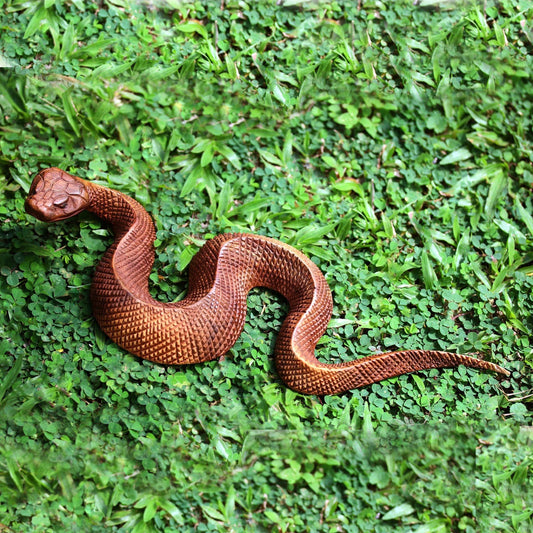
207	322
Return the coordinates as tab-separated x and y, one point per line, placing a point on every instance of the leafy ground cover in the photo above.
389	141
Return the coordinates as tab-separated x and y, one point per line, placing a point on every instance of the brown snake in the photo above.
207	322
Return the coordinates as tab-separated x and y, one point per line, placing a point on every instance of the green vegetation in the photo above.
389	141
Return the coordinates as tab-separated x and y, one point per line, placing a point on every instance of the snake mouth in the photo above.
47	214
42	212
34	209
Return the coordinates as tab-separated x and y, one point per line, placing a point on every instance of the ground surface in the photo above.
389	141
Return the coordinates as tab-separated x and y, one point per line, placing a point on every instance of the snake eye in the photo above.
61	202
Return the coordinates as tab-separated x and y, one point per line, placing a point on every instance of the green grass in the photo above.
389	141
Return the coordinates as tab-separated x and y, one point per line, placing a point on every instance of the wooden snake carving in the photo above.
206	324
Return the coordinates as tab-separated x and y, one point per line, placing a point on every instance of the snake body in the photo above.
207	322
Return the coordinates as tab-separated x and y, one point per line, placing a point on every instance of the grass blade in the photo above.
497	187
11	376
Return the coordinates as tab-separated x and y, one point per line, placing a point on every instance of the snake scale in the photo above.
207	322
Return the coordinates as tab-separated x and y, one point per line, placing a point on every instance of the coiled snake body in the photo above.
206	324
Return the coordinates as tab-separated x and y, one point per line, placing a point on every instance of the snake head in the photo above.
56	195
